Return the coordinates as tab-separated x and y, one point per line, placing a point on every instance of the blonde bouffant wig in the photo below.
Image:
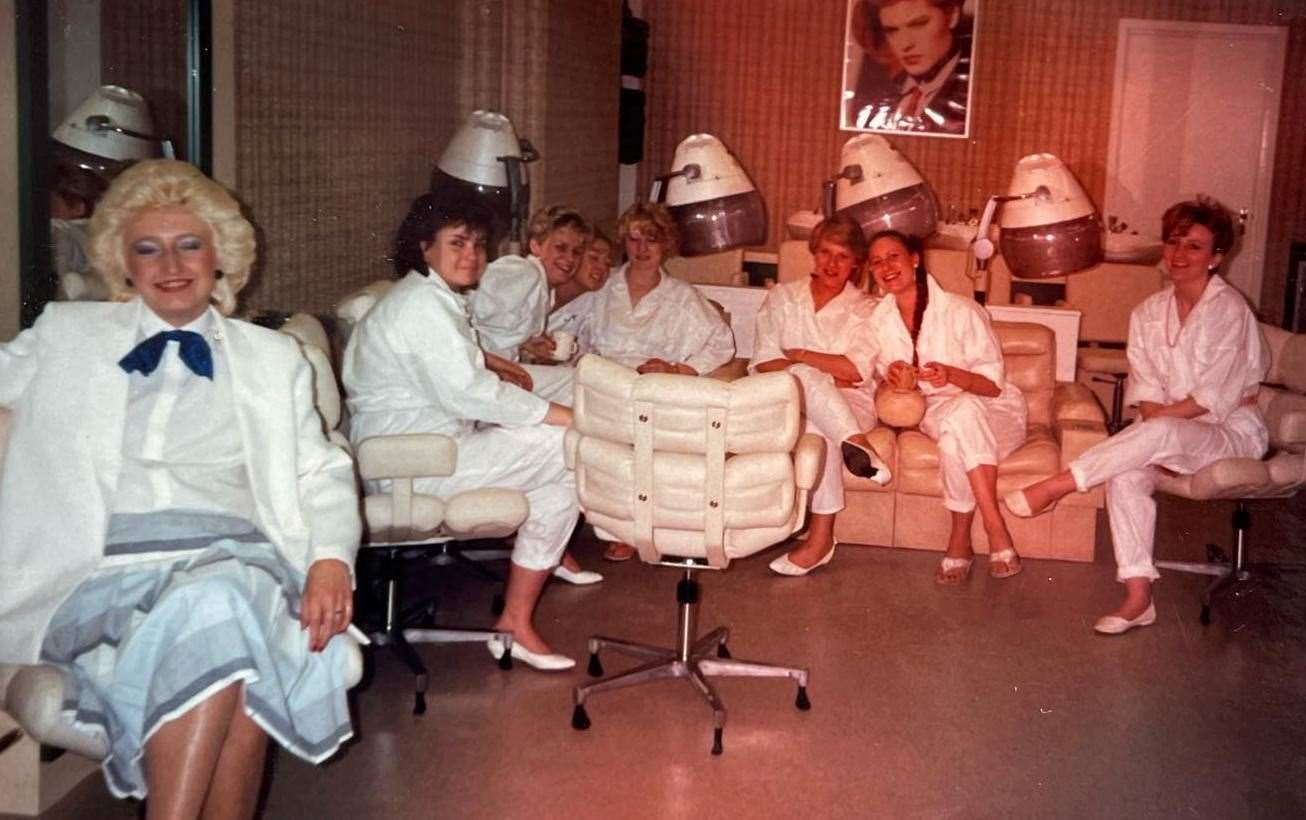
165	183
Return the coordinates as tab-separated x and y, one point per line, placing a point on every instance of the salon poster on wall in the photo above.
908	66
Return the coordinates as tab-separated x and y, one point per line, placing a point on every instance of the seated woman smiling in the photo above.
819	330
971	411
1196	360
182	552
413	365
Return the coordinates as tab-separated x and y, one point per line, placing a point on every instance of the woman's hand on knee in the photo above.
328	604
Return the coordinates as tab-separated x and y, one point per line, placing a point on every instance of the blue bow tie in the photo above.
195	353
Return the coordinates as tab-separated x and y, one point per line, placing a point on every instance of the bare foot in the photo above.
569	561
1000	542
1138	597
525	635
618	551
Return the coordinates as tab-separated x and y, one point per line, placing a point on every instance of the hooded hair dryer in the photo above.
486	161
880	189
715	204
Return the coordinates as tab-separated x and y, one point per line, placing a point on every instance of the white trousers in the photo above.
835	413
553	382
971	431
1128	463
522	458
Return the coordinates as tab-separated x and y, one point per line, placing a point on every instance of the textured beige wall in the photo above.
764	77
342	108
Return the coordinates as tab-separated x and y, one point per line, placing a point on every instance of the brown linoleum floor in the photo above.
992	700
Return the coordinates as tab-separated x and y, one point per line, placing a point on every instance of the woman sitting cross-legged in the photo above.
413	365
819	330
1196	360
974	415
177	534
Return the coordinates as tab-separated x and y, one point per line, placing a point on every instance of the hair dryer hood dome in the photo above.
474	151
713	201
114	123
879	188
1052	234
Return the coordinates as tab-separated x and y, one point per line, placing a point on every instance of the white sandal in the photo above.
1006	556
947	565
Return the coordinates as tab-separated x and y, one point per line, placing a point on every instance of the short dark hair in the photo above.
873	16
426	217
840	229
1204	211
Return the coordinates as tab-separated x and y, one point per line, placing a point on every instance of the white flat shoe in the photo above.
1115	625
863	462
580	578
1018	503
783	566
545	662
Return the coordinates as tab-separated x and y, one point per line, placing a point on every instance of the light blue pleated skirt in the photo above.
185	606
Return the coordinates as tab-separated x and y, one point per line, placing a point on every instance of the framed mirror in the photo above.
101	83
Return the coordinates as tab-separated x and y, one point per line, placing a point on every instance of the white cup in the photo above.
564	346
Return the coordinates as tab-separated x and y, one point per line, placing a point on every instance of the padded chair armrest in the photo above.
34	697
1075	436
808	454
1285	415
407	455
1072	401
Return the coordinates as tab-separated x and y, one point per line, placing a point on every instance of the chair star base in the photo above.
694	659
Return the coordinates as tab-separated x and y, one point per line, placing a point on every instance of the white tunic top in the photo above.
789	319
955	331
673	322
181	445
413	365
511	304
1217	356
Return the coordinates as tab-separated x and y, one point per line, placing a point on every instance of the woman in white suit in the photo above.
1196	360
413	365
184	551
973	413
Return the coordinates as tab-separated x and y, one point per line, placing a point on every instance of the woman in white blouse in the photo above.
818	328
1196	360
413	365
971	411
646	319
177	534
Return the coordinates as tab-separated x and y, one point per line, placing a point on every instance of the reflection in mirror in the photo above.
117	90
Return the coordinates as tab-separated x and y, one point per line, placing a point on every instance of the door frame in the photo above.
1257	228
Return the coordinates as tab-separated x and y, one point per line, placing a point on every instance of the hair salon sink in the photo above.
1131	248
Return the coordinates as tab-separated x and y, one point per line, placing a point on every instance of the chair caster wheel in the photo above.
580	719
716	741
1206	615
419	704
496	606
801	701
595	668
505	661
722	651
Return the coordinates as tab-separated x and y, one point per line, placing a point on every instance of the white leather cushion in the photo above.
35	699
491	512
308	330
355	306
428	513
407	455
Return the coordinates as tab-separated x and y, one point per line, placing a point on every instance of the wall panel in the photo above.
764	77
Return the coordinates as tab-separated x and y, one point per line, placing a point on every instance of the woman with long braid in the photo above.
976	417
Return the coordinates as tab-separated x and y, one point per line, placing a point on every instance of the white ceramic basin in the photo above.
799	225
1132	248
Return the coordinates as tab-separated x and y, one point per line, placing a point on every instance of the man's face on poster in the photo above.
918	33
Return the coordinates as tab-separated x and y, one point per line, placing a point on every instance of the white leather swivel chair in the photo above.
1281	474
694	472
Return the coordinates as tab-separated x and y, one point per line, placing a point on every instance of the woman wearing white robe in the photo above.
818	329
1196	360
646	319
177	534
971	411
511	304
413	365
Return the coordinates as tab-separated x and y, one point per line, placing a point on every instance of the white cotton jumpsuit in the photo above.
510	305
789	319
672	322
970	430
413	365
1217	357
